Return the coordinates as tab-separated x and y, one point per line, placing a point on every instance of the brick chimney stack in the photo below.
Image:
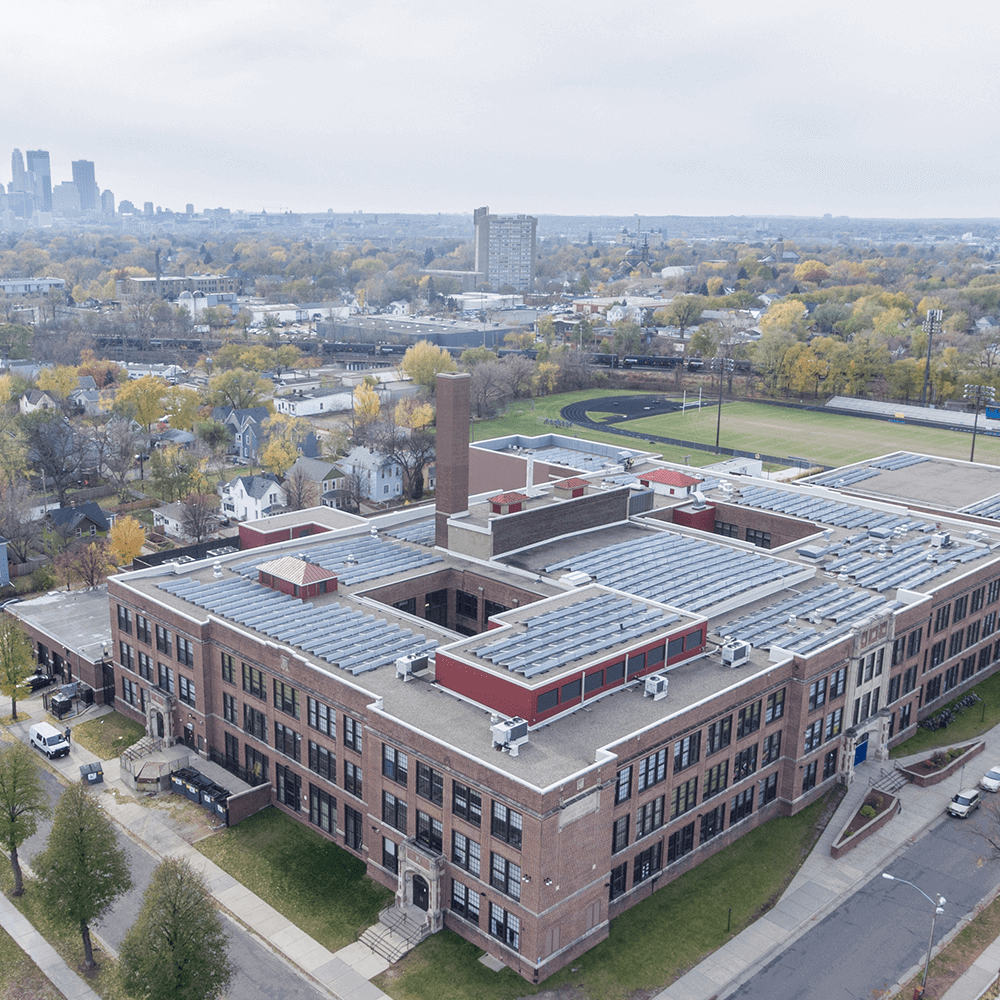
452	458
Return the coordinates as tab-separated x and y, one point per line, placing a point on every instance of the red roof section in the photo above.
293	570
668	477
508	498
572	483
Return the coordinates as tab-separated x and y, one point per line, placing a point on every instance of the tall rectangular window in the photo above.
505	876
649	817
165	678
390	855
353	829
748	720
716	779
142	630
466	803
352	734
814	735
186	691
321	717
466	605
961	608
619	834
228	669
687	751
684	798
809	776
145	666
838	683
942	618
771	748
829	764
352	779
430	784
289	787
465	901
506	824
741	806
465	852
834	723
619	880
185	651
718	735
256	762
163	643
775	707
321	760
713	822
286	698
430	832
623	784
745	763
229	708
817	694
124	619
647	863
254	682
913	642
126	656
505	926
679	843
255	723
395	764
652	770
768	788
394	811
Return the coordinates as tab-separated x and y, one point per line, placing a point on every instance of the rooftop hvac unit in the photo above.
656	687
509	734
408	666
736	653
941	539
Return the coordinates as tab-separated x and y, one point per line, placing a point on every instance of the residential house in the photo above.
85	519
245	427
37	399
311	402
381	478
169	519
324	475
249	498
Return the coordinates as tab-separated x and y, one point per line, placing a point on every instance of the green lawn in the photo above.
826	438
314	883
19	976
969	724
107	736
686	919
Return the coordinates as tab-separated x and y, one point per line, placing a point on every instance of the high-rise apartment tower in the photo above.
505	249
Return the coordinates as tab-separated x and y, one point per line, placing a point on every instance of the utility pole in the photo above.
980	395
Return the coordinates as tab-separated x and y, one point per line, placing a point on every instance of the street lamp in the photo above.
938	905
980	395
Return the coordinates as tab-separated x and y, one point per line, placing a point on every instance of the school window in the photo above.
830	764
894	685
465	901
937	653
741	806
145	666
972	634
491	608
353	829
713	822
770	749
680	843
124	619
951	677
430	832
985	655
775	707
834	723
647	863
684	798
165	678
649	818
651	770
163	640
968	667
506	824
909	680
898	649
505	876
619	834
185	651
759	538
395	764
289	787
185	690
352	778
727	530
904	717
989	624
254	682
814	735
126	656
976	599
256	762
255	723
933	688
352	734
505	926
142	630
394	811
993	591
768	788
466	803
745	763
465	852
321	717
430	784
718	735
942	618
228	671
955	644
809	776
687	751
619	877
466	605
286	699
390	855
716	779
961	608
623	784
229	708
838	683
129	689
748	720
321	760
322	809
817	694
913	642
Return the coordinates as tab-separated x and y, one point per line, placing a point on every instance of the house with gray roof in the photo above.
248	498
81	520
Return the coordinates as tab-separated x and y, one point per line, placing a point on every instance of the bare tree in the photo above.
16	522
122	442
139	310
517	373
54	449
487	388
199	518
300	491
354	487
88	562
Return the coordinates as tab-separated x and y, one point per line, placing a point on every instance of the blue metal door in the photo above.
861	751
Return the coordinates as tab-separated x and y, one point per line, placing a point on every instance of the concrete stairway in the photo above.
399	929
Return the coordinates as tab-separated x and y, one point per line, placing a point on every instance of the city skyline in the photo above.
560	109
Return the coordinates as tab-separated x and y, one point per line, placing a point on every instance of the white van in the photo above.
48	739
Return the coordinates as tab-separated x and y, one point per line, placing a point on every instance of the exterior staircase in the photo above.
399	929
888	781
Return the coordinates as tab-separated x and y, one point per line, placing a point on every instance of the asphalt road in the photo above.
871	940
261	974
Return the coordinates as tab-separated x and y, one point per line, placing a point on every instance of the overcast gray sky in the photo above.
551	106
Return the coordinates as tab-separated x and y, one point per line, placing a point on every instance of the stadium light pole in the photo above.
725	366
980	395
931	324
938	905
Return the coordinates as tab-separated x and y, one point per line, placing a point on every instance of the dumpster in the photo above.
60	705
179	779
209	794
92	774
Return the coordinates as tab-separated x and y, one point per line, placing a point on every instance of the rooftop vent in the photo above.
699	500
656	687
217	571
509	735
941	539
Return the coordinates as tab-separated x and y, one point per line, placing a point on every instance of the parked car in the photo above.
38	681
965	802
991	779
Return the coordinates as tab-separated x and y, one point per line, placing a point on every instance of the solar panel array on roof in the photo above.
900	460
422	532
990	507
844	478
343	637
573	631
677	569
813	508
359	559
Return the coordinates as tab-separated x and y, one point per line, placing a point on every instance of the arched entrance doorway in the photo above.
421	892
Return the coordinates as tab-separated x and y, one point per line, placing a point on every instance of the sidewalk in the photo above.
823	883
343	974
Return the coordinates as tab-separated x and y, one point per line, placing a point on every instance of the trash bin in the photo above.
180	778
60	706
92	774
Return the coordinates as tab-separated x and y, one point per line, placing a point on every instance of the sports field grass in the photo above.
822	437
